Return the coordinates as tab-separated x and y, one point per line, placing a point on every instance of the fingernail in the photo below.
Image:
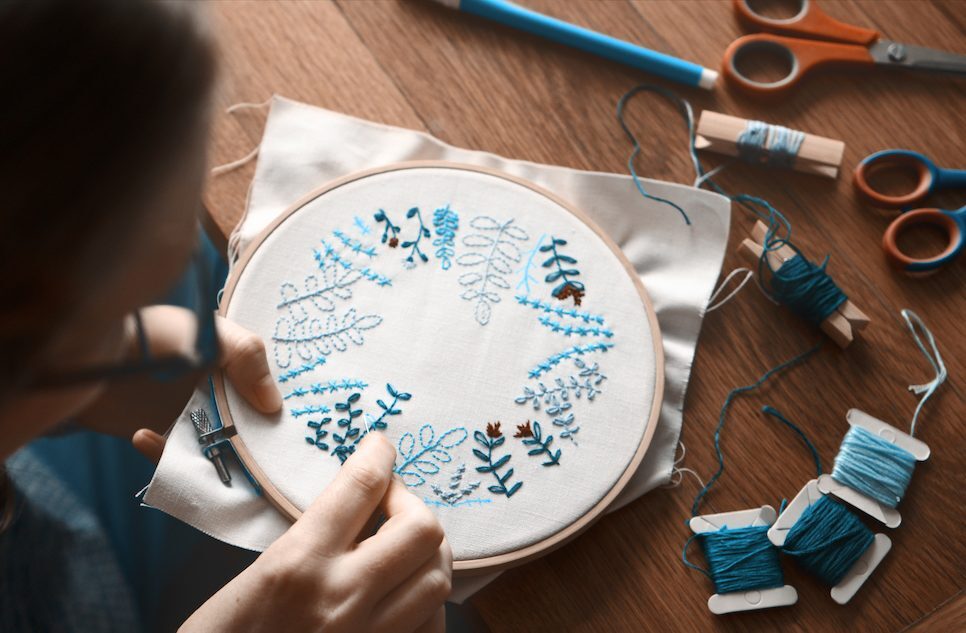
268	395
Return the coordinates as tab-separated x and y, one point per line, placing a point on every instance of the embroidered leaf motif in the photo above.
497	242
447	223
330	255
560	311
422	232
569	287
457	493
541	445
494	439
557	395
315	337
431	451
390	233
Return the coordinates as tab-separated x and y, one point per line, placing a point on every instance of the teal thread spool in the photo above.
741	559
827	540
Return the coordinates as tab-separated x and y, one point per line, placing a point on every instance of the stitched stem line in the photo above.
321	389
380	217
366	272
361	225
420	234
576	350
319	440
494	439
355	245
307	367
464	502
525	276
560	311
569	330
310	409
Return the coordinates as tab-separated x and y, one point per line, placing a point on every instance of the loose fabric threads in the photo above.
774	145
878	469
741	559
827	540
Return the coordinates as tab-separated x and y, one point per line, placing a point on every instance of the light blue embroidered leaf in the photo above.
426	435
425	467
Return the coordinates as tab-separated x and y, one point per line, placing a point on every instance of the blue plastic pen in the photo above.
679	70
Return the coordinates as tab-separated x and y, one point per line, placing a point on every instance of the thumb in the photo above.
149	444
246	365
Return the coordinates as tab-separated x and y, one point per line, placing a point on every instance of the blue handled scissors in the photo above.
930	178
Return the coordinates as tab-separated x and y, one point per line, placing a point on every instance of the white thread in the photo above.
935	359
748	275
247	105
700	179
235	164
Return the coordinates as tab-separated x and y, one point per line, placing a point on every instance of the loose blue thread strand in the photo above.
774	145
869	464
827	540
805	288
935	359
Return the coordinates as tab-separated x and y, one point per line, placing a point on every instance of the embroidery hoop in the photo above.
465	567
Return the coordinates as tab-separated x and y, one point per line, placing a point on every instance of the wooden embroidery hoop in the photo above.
491	563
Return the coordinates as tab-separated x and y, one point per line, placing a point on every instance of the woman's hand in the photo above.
145	403
325	574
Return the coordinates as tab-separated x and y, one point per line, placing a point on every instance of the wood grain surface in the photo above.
483	86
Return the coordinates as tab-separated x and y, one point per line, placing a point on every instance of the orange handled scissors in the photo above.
930	178
800	43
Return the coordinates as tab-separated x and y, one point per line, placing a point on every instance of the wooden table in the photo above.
482	86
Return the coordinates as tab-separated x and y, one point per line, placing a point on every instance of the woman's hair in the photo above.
100	98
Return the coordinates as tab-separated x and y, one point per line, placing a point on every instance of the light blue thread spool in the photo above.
874	467
827	540
772	145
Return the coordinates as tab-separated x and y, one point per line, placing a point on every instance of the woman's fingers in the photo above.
244	361
410	536
337	515
149	443
419	598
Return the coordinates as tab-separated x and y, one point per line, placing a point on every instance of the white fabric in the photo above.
459	343
304	147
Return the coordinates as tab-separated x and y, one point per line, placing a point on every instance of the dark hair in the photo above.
98	97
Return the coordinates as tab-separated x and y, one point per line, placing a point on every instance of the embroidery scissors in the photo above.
931	178
812	39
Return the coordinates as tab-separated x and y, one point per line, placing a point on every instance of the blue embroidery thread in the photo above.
425	459
569	287
335	285
413	245
362	226
313	338
351	432
456	492
576	350
447	223
323	388
380	216
298	371
570	330
354	245
319	440
534	437
569	430
560	311
309	410
494	439
496	263
525	276
587	381
378	424
332	255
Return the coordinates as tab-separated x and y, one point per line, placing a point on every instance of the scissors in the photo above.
931	178
800	43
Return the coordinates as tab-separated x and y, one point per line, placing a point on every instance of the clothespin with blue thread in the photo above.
773	145
841	324
215	443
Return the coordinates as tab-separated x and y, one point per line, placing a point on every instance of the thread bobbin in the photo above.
720	133
859	572
743	600
885	514
847	318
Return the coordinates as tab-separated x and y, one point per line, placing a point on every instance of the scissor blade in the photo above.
917	57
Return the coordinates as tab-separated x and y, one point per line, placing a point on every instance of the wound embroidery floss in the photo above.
874	467
741	559
768	144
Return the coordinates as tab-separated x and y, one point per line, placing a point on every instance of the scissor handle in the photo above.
810	21
803	55
926	172
953	223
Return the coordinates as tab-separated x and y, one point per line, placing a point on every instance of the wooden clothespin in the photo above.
839	326
817	155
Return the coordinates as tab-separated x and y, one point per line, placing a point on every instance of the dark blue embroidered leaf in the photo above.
535	451
498	441
497	490
412	212
380	215
554	276
506	476
573	272
382	405
546	249
567	258
484	469
501	462
341	406
392	392
394	411
404	396
513	490
423	256
559	242
407	244
352	433
355	397
355	413
479	437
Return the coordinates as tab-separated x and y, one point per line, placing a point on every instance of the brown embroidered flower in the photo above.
570	291
523	430
493	429
393	242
